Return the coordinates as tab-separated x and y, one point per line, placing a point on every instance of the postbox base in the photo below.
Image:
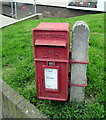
49	98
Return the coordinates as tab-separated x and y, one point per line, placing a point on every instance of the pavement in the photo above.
4	20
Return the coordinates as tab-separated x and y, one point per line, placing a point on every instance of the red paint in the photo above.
78	85
23	7
82	62
51	44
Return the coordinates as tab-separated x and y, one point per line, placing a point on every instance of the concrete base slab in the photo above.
4	20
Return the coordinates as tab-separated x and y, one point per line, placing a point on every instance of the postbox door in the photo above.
51	70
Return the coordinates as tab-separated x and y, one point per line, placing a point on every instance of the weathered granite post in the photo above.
80	36
0	99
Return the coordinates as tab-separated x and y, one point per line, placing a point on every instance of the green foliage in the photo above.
18	68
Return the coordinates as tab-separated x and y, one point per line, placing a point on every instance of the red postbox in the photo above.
51	57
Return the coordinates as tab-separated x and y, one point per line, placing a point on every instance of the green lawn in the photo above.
18	67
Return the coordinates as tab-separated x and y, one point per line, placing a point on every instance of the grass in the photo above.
18	68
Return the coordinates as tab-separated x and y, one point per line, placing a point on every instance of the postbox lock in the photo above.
50	63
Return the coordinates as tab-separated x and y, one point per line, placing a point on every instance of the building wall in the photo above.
0	7
21	1
62	12
61	3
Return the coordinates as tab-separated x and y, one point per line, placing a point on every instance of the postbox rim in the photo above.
49	26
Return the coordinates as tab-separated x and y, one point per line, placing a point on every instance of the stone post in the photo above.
80	36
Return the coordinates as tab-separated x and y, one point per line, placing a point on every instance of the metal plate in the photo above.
51	78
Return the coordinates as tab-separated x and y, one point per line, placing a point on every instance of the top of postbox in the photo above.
53	26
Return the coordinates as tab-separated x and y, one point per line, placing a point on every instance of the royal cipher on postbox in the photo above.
51	58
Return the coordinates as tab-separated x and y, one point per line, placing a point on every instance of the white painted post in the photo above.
15	9
35	5
80	37
12	9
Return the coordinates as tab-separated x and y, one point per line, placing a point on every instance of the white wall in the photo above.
61	3
21	1
101	5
